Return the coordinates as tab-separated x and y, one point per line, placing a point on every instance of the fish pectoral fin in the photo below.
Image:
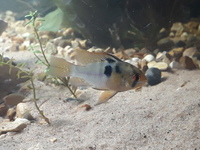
105	96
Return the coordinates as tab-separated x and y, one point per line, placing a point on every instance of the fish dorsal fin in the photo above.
84	57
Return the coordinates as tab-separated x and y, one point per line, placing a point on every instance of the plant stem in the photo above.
35	102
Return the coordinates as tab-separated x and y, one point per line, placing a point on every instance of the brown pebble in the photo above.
13	99
187	63
87	107
3	109
190	52
11	113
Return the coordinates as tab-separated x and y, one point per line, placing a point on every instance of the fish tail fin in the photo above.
59	67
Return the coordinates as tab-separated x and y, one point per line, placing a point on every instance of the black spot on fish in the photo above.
110	60
108	71
137	77
117	69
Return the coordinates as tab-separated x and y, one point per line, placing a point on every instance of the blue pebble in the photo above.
153	76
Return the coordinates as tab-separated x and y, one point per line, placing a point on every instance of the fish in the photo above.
103	71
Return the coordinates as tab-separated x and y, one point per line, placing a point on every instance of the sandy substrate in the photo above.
161	117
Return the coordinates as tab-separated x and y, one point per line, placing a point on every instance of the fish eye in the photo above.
136	77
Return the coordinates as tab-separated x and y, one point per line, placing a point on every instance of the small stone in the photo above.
165	44
176	53
14	47
63	43
149	58
13	99
3	26
153	76
184	34
177	28
190	52
23	111
143	65
3	110
14	126
171	34
175	65
41	76
130	52
53	140
160	56
179	41
167	58
187	63
160	65
83	43
11	113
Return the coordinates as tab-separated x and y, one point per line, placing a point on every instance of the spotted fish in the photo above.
101	70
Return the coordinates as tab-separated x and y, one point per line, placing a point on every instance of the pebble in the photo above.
175	65
167	58
176	53
165	44
14	126
160	65
149	58
160	55
3	26
23	111
190	52
11	113
13	99
3	109
177	28
187	63
153	76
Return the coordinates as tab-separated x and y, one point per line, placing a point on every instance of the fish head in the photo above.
126	77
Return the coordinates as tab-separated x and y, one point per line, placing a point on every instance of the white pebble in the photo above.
149	58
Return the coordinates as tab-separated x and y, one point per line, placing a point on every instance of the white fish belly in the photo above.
92	73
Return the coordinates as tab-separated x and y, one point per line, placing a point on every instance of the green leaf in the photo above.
37	51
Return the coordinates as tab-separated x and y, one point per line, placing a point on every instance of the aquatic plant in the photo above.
33	16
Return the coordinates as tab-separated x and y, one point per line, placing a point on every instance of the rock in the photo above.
176	53
167	58
143	65
3	26
187	63
171	34
130	52
184	34
14	126
149	58
14	47
41	76
133	61
162	33
160	56
11	113
13	99
179	41
153	76
175	65
160	65
165	44
190	52
3	109
53	140
23	111
177	28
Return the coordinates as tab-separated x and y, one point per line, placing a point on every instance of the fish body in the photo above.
101	70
